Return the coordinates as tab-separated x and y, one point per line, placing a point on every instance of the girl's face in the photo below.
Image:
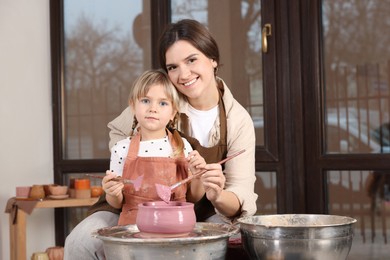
153	112
190	70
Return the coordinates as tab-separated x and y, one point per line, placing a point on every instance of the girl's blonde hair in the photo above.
141	88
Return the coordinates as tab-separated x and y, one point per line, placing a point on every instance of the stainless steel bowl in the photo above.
206	241
297	236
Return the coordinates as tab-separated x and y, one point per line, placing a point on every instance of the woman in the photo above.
190	56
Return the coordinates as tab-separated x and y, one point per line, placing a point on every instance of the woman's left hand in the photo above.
213	181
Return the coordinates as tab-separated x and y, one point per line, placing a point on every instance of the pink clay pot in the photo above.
159	217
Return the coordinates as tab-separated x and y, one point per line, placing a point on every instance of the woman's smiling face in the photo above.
190	70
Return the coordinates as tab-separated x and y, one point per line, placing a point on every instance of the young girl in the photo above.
154	150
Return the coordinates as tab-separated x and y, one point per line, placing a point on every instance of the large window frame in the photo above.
279	152
160	15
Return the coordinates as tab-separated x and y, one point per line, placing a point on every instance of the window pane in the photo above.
75	215
107	45
265	188
357	75
365	196
235	25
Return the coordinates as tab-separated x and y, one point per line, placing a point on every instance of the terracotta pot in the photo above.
82	194
37	192
159	217
58	190
82	184
46	189
96	191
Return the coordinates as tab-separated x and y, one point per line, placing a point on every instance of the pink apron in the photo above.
162	170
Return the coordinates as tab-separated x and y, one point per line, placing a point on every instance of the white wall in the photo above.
26	153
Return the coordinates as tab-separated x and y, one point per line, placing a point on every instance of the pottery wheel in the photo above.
131	234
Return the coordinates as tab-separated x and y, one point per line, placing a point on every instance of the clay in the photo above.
164	192
137	182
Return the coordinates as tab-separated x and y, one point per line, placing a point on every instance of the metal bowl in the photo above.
206	241
297	236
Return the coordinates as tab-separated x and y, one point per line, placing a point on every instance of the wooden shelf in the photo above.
66	203
18	228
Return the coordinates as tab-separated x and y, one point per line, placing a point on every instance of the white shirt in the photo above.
201	123
151	148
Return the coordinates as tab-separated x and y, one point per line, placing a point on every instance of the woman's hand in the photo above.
196	164
226	202
213	181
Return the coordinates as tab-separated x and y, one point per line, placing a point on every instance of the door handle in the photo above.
266	31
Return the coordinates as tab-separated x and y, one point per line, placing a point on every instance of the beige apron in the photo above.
162	170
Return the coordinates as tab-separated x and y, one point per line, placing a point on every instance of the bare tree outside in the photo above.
356	100
236	26
102	60
357	71
101	64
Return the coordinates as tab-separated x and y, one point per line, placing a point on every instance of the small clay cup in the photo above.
23	191
58	190
46	189
82	184
37	192
159	217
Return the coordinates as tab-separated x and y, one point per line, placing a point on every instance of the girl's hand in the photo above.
110	187
196	162
213	181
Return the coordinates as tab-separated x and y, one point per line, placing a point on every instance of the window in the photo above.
98	49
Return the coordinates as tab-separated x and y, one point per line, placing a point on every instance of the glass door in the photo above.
237	27
356	113
98	49
347	75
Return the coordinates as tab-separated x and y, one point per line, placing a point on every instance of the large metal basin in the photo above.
297	236
206	241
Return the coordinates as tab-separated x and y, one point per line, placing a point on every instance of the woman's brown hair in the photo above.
193	32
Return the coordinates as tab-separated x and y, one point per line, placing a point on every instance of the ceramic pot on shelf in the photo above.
82	188
37	192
